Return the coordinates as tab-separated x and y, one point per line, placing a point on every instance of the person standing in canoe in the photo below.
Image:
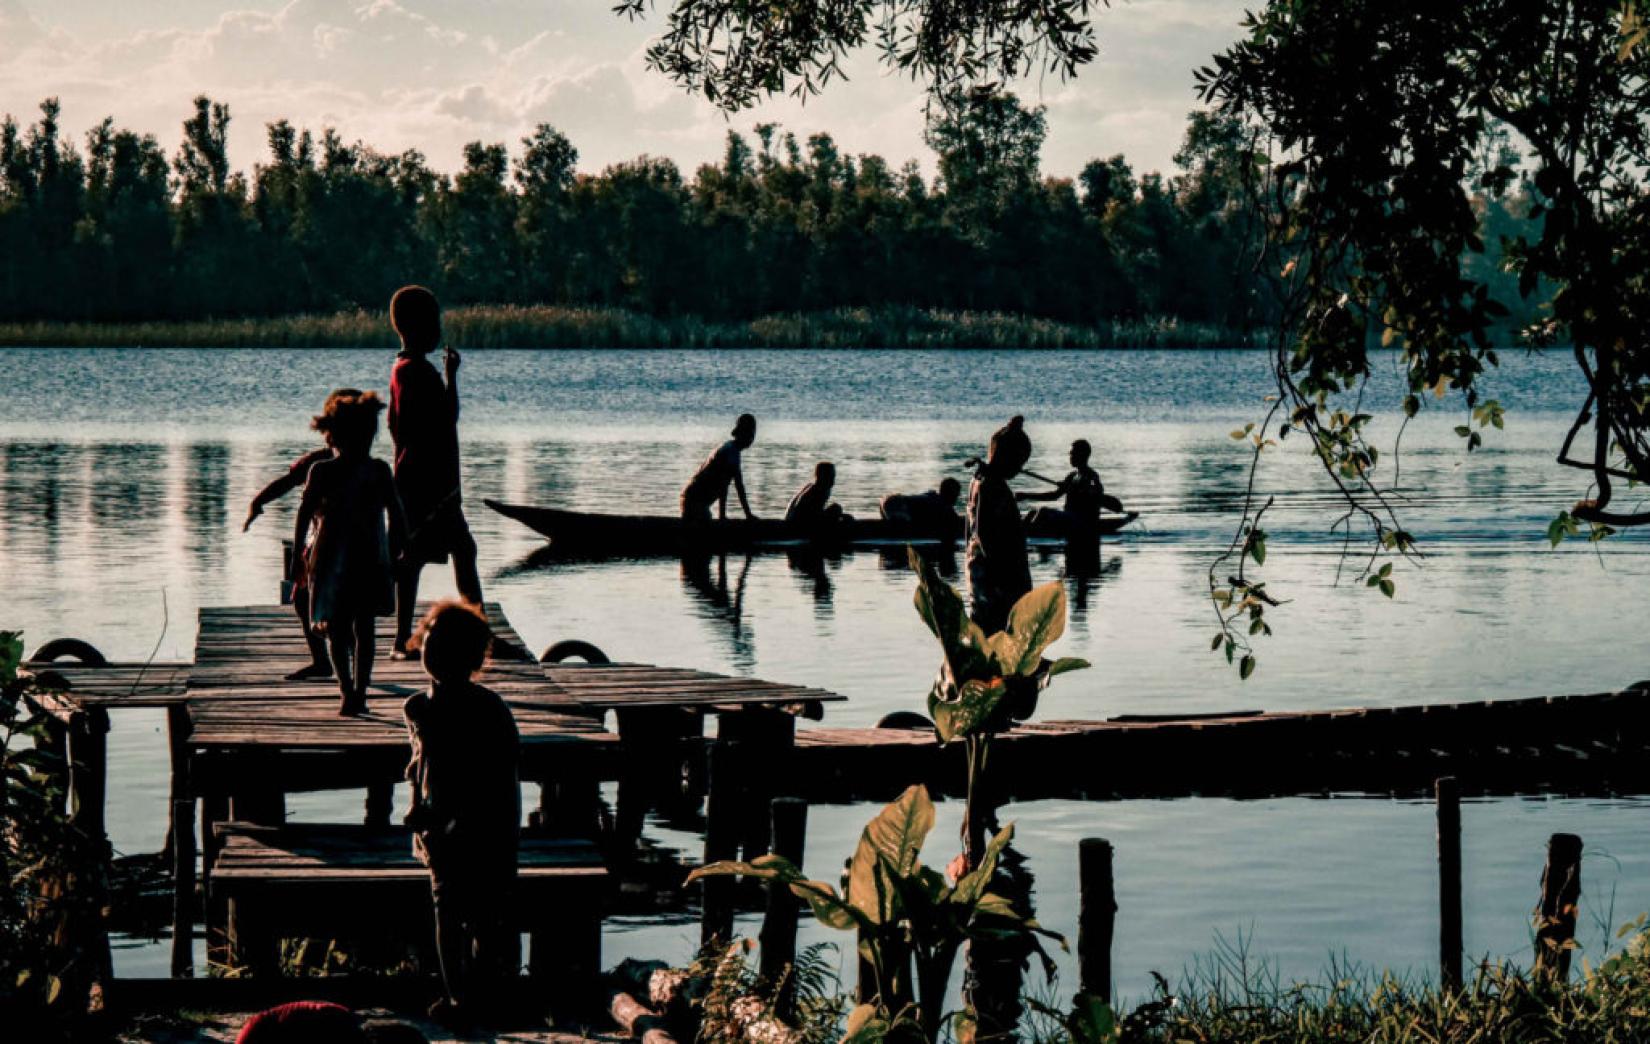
998	573
709	485
319	667
424	425
1084	492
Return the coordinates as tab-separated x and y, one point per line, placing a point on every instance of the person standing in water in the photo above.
1084	492
319	667
709	485
424	425
998	573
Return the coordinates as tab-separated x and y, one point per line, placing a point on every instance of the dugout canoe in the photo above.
587	532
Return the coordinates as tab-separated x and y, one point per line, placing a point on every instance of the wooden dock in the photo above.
243	738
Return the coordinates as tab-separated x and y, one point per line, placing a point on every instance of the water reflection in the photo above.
722	603
810	569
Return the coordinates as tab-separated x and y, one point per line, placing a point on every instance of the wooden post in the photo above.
721	841
767	736
1096	916
180	842
778	938
1449	883
380	798
88	754
183	889
214	911
1555	918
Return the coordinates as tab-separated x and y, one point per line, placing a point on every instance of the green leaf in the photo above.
11	655
1246	667
1221	637
1388	587
1066	663
866	1025
1035	622
894	836
946	615
975	702
972	885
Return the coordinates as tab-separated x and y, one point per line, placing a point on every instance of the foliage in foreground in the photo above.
1231	999
987	682
50	876
903	913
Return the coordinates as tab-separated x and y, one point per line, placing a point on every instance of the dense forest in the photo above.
115	230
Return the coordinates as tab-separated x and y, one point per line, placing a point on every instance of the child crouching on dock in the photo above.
346	566
466	811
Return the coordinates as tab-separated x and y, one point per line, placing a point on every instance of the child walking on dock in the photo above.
466	811
350	501
320	666
424	425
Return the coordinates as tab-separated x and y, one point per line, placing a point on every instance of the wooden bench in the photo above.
327	881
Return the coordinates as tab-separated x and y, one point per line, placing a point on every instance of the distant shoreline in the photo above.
547	326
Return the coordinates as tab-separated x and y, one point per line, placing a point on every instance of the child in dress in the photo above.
466	810
320	666
359	532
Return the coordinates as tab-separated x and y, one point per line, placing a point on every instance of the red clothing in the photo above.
424	424
303	1022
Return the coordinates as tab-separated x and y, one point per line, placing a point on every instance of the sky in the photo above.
434	74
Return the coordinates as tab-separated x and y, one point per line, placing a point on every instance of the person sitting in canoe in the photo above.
934	511
812	507
1083	491
998	573
320	665
709	485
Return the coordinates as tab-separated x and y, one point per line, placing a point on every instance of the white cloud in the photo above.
432	74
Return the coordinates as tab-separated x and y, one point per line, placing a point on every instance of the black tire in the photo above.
573	648
69	649
904	720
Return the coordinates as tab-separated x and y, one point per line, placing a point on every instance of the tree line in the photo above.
115	229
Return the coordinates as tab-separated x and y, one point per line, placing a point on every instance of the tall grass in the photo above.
545	326
1228	998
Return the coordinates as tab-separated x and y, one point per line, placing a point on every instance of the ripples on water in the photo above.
124	478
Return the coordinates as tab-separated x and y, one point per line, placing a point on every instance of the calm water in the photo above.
124	478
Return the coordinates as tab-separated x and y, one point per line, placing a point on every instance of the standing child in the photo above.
346	567
998	573
319	666
424	425
466	811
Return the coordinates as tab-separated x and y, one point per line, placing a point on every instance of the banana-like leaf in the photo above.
821	898
865	1026
1064	664
975	702
895	837
972	885
1036	622
769	867
946	615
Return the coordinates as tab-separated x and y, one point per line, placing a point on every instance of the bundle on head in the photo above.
1010	448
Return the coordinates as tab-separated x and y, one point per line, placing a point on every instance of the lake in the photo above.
124	478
